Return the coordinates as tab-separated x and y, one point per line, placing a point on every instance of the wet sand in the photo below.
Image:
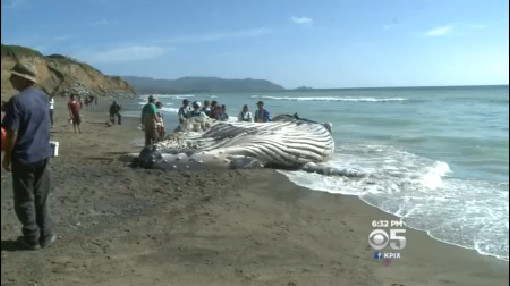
124	226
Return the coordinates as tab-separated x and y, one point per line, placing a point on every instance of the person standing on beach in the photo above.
74	112
207	108
115	112
213	105
184	111
223	115
262	115
216	110
52	103
196	112
27	155
245	115
149	118
160	125
91	102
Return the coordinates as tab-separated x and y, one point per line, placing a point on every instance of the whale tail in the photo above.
329	126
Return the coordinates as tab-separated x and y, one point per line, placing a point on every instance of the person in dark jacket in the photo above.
115	112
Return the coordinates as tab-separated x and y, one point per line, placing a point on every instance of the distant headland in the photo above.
144	85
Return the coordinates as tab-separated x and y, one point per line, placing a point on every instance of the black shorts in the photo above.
76	119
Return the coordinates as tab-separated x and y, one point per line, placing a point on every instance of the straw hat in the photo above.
27	71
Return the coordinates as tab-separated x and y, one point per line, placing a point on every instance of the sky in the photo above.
323	44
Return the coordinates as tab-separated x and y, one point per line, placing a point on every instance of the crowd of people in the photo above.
153	124
90	100
214	110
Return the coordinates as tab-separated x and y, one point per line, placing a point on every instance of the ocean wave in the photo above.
348	99
166	96
145	102
466	212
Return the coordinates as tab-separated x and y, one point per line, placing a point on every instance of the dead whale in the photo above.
288	142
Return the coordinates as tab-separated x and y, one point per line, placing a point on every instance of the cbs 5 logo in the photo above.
379	238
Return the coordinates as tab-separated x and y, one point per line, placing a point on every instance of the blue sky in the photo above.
324	44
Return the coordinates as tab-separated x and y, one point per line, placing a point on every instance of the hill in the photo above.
60	75
199	84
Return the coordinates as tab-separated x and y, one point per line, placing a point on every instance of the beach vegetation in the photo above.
16	51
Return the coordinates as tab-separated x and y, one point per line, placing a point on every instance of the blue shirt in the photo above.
262	116
29	115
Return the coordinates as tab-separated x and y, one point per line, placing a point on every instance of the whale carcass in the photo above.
287	142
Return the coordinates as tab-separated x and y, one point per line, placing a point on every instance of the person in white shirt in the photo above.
207	108
52	102
245	115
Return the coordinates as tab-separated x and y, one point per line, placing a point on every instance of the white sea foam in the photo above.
433	177
169	109
165	96
469	213
330	98
232	119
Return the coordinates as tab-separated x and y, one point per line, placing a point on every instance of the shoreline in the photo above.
426	232
123	226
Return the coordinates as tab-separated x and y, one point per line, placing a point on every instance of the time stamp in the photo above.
387	223
387	233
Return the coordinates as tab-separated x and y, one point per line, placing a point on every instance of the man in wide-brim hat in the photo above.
25	71
27	155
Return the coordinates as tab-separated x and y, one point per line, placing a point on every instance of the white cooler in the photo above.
54	148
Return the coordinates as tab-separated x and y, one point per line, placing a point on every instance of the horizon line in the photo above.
394	86
320	88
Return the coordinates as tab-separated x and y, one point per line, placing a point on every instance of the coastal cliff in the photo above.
60	75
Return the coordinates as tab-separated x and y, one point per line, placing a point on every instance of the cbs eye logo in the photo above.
379	239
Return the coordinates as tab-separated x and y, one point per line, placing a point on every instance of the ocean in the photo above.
437	157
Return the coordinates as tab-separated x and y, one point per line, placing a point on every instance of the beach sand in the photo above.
124	226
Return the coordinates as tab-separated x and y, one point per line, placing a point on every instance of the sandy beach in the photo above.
122	226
